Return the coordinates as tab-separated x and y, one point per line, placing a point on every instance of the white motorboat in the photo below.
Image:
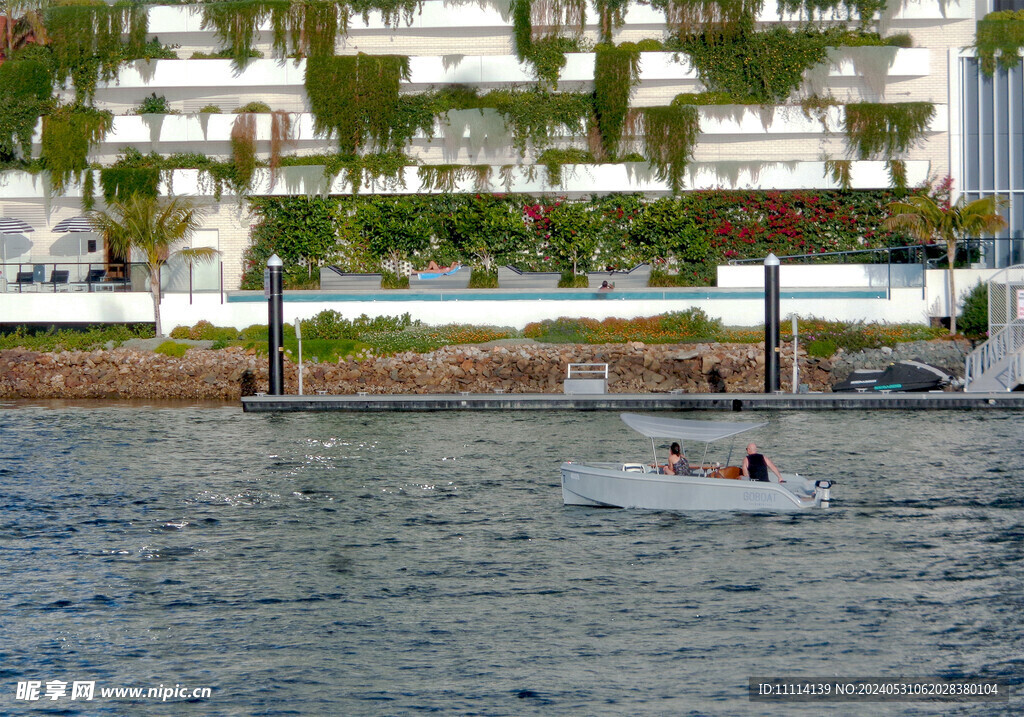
713	485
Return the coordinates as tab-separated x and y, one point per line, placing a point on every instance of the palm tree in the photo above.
23	24
929	220
151	226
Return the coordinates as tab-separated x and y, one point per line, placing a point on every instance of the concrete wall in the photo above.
934	298
905	305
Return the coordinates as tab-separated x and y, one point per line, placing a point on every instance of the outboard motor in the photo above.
823	488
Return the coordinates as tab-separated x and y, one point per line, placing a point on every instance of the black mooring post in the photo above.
771	324
275	310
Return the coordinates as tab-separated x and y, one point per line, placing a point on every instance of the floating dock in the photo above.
631	402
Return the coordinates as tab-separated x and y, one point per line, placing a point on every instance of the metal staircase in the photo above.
998	364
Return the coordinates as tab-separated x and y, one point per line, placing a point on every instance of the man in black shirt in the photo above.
756	467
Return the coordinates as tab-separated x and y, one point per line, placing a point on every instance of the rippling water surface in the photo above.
320	564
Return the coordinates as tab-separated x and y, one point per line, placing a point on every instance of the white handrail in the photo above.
1016	370
591	370
1007	342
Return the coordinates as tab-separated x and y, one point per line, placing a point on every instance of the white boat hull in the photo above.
615	487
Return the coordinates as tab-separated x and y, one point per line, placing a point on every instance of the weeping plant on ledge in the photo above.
69	132
243	150
152	227
616	73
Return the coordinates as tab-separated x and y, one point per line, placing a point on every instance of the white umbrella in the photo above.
75	224
9	225
79	225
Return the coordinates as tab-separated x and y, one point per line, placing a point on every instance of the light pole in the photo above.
796	366
275	310
298	337
771	324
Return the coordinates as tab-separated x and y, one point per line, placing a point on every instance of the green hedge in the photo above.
684	237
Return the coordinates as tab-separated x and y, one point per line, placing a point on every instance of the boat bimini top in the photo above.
706	431
685	430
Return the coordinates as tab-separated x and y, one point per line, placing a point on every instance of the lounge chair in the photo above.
510	277
457	277
24	280
58	277
334	279
636	278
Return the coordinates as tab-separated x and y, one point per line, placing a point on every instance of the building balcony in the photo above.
189	85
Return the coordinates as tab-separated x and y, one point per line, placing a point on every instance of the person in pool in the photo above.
756	467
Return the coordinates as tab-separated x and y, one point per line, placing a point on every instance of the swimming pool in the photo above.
683	294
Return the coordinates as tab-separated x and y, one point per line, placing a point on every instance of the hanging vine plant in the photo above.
377	95
331	84
547	55
897	169
616	73
611	16
89	189
537	27
314	27
25	94
839	170
553	159
355	98
522	28
391	11
235	25
69	133
715	19
89	41
885	130
755	67
865	9
305	28
280	137
534	116
670	134
999	39
308	28
445	178
119	183
243	150
385	170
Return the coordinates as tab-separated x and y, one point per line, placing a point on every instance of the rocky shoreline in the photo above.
227	374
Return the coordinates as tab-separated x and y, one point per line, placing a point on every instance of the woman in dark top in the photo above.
677	463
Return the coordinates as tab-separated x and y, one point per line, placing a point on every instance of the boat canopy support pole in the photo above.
655	452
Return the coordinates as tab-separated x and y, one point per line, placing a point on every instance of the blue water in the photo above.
694	294
396	564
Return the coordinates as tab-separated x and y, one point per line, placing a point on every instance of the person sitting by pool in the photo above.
756	467
434	268
605	286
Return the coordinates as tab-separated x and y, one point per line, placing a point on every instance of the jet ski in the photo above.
901	376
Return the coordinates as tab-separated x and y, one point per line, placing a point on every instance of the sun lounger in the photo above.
636	278
455	278
58	279
510	277
24	280
334	279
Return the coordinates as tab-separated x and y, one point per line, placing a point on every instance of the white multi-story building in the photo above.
974	134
